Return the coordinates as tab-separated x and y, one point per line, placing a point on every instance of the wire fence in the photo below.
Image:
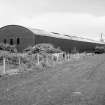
11	63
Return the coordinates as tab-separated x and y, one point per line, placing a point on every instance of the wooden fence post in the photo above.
19	61
65	57
56	55
4	65
38	59
68	56
52	58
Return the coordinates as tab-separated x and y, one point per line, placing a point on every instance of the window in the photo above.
11	41
5	41
18	41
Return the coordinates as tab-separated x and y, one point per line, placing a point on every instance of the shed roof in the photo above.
63	36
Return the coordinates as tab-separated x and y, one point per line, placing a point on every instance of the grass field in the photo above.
78	82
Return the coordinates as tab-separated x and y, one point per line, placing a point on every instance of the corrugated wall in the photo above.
67	45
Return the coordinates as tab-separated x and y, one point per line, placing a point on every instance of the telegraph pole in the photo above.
101	39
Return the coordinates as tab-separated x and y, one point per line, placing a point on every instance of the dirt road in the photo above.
80	82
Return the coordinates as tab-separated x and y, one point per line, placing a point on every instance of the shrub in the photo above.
42	48
99	49
7	47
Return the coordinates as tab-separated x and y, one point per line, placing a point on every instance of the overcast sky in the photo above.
75	17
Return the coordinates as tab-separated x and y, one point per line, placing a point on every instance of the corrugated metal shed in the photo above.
63	36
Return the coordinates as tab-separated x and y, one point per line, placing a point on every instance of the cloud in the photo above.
69	23
8	14
54	16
